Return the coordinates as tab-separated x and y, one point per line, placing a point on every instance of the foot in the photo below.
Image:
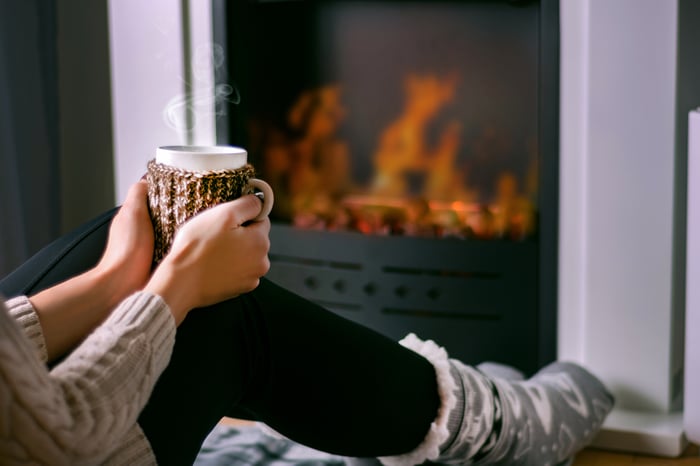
490	415
547	419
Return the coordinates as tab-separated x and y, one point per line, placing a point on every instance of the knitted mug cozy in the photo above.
176	195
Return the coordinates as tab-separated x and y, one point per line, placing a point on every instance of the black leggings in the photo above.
271	356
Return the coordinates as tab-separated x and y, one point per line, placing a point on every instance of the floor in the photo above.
592	457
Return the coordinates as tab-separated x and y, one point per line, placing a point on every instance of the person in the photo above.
108	362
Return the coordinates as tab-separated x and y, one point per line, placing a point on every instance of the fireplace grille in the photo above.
451	291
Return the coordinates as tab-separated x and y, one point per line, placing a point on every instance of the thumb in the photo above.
137	193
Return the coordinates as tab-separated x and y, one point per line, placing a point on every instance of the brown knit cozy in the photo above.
176	195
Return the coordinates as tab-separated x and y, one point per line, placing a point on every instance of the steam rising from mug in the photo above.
181	113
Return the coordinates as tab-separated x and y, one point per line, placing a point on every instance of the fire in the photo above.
403	148
416	188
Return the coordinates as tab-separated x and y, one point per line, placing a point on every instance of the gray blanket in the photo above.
249	445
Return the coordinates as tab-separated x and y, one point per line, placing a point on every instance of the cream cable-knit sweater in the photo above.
83	411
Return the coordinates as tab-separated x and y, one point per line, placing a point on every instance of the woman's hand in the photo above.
128	255
214	256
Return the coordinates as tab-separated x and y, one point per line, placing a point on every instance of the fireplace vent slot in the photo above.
281	258
336	306
433	313
443	273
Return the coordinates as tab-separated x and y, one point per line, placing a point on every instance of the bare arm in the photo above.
69	311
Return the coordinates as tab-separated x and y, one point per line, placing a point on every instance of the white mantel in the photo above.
617	311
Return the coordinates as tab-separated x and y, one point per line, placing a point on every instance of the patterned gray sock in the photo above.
502	371
494	417
472	417
544	420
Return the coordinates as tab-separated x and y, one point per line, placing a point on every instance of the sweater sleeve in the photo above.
87	406
23	312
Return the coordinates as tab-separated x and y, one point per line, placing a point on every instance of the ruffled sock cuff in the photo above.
438	433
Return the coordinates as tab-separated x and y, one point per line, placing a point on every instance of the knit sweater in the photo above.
83	411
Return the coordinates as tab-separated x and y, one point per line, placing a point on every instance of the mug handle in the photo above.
269	197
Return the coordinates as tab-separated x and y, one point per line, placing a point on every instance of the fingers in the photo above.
243	209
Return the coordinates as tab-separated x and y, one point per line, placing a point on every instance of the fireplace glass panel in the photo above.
401	118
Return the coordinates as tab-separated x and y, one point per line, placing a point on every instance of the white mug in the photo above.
214	158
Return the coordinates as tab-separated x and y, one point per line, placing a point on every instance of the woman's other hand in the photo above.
215	256
128	256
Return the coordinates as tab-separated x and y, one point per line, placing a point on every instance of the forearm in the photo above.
69	311
174	290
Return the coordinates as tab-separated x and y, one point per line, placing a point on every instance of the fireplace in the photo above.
413	149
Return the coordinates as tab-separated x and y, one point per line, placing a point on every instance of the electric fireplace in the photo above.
413	149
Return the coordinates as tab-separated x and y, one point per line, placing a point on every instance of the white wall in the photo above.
617	195
148	81
692	354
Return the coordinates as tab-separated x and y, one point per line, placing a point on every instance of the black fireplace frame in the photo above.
393	295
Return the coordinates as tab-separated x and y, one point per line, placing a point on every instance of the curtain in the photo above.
29	132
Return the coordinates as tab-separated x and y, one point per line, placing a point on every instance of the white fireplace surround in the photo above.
619	311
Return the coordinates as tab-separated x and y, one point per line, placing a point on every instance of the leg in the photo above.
317	378
333	384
